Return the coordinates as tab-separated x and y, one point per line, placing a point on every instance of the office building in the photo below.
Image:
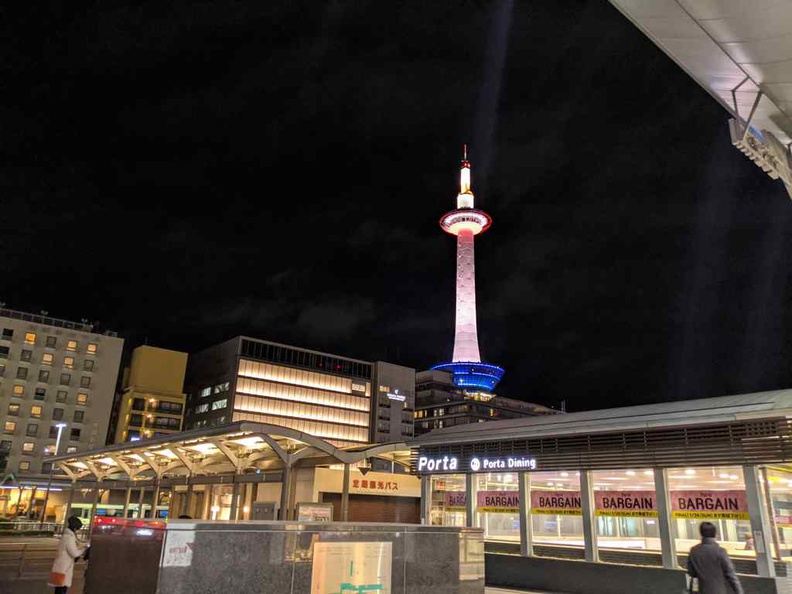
53	372
152	399
440	403
325	395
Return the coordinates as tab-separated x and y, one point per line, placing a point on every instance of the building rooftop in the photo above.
54	322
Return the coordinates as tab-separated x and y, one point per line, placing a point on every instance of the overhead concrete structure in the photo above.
739	51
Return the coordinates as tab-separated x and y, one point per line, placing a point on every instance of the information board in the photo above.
351	568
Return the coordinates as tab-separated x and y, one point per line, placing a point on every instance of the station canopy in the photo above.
238	448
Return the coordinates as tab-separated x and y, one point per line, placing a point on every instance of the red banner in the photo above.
631	504
719	505
499	502
564	503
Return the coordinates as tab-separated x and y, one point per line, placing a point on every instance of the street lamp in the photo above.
60	427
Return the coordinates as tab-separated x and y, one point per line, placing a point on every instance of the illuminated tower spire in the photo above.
466	222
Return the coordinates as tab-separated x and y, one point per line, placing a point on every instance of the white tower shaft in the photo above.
466	346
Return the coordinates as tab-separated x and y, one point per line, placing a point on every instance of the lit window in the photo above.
46	359
201	408
19	390
28	447
91	349
206	392
221	387
61	396
30	338
48	450
85	381
71	450
82	398
218	404
24	465
52	341
35	411
9	427
13	409
68	362
26	355
88	365
79	415
71	345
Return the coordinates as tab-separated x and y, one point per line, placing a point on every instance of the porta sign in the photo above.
448	463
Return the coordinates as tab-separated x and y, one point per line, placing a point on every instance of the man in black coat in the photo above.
710	564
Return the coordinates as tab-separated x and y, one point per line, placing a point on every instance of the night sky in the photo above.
184	172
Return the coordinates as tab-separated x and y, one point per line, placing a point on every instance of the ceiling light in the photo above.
690	471
630	473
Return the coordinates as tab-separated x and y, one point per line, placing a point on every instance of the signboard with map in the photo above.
351	568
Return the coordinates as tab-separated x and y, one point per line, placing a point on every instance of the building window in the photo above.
19	390
201	408
35	411
68	362
5	445
61	396
41	394
136	420
71	345
46	358
28	447
65	379
43	375
138	404
75	434
78	416
221	387
4	350
53	434
13	409
88	365
9	427
2	369
85	381
8	333
30	338
25	355
52	341
71	449
57	415
92	348
206	392
219	404
24	465
82	399
32	430
22	372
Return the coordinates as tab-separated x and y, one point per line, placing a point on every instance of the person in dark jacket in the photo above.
710	564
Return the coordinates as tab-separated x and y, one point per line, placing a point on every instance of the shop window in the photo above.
625	508
778	483
556	513
449	500
710	494
497	505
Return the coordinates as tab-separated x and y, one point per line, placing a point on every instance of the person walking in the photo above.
68	552
709	564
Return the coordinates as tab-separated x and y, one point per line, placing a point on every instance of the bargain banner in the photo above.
455	501
563	503
498	502
628	504
718	505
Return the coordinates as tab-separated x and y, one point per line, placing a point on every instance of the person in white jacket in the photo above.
68	552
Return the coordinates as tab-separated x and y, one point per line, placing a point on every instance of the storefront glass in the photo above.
497	505
555	511
713	494
780	492
449	500
626	510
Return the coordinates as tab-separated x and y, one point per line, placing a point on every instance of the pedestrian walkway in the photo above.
505	591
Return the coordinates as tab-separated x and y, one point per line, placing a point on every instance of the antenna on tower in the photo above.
464	151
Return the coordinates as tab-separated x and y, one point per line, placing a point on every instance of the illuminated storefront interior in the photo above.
584	487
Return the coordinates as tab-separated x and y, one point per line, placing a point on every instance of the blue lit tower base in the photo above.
473	376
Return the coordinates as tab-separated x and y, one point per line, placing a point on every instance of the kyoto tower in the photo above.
466	222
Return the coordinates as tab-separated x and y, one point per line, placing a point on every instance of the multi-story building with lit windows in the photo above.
245	379
440	403
53	372
152	400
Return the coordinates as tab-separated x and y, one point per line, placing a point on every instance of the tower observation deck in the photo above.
466	222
